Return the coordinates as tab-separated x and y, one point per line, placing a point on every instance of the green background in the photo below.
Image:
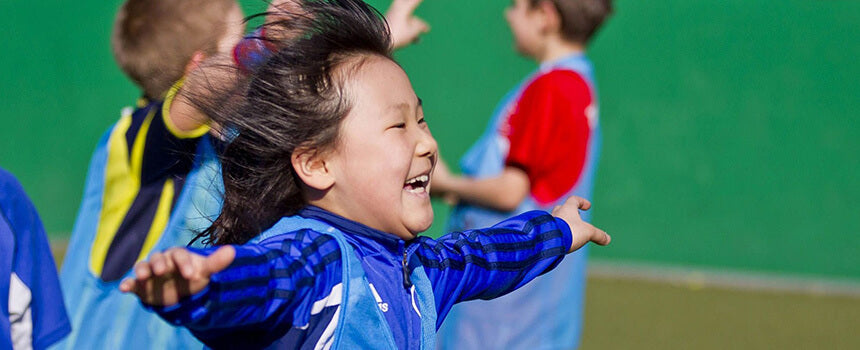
730	131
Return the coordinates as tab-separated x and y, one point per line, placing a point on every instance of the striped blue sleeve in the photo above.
267	289
488	263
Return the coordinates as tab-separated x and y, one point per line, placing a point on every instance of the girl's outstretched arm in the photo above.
491	262
243	296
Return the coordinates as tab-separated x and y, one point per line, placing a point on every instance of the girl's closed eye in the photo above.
421	120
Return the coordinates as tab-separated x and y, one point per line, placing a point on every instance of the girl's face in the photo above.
385	153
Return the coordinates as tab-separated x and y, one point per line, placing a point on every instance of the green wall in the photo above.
730	137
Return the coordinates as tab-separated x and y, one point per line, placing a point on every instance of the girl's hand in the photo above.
404	25
582	231
173	274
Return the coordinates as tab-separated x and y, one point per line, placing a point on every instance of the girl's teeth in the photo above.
416	190
422	178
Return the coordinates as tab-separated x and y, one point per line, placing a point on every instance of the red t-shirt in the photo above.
548	132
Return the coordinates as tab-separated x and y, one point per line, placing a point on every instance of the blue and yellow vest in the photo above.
102	317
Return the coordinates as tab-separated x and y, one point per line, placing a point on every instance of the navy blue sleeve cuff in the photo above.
566	233
186	311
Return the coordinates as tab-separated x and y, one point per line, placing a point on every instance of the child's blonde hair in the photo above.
153	40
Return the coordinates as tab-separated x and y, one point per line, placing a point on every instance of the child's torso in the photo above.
380	258
146	191
487	157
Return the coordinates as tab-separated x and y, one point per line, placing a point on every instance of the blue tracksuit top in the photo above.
31	302
275	291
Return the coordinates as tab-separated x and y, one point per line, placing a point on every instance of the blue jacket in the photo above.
283	291
28	276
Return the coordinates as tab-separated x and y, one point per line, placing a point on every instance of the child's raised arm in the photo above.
482	191
404	25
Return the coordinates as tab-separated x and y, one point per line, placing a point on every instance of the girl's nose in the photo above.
426	146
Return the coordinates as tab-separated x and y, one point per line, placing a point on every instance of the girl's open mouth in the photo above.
417	184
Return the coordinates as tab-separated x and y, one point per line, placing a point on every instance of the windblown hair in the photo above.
153	40
580	19
296	99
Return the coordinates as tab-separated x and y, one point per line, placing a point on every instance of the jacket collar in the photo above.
365	235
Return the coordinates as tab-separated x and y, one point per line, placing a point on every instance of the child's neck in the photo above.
556	49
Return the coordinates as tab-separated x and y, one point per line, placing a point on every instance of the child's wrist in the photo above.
566	233
186	310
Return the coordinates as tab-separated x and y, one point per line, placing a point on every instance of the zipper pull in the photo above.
407	282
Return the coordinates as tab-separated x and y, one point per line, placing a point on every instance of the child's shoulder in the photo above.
9	183
305	236
298	235
560	85
558	80
13	199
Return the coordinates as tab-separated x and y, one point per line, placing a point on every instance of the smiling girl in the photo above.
326	191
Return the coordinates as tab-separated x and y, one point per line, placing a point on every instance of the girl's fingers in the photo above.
219	260
169	264
600	237
159	267
127	285
142	271
581	203
183	262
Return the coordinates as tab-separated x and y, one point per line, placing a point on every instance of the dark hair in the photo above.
295	99
580	19
153	40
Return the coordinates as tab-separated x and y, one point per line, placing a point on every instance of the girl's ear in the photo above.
312	169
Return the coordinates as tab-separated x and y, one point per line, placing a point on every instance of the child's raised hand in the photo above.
405	26
171	275
277	8
582	231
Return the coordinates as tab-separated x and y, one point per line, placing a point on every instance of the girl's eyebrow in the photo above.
405	106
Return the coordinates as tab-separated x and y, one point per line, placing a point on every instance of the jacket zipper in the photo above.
407	282
407	250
